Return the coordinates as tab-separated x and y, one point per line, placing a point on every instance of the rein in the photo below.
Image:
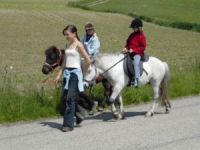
113	65
95	78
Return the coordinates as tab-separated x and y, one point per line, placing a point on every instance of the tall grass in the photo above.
25	101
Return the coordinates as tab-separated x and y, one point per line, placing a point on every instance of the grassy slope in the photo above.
165	12
27	28
27	33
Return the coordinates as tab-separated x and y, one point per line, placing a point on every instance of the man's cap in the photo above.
89	26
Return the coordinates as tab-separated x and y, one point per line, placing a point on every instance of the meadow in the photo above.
173	13
29	27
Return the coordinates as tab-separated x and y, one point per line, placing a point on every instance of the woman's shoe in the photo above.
66	129
79	115
78	121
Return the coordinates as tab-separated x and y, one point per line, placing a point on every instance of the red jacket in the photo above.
136	43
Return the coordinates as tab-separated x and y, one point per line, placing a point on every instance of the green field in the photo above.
175	13
29	27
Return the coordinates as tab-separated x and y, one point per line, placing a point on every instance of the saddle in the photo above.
129	67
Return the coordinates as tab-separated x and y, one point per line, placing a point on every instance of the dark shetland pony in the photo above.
54	59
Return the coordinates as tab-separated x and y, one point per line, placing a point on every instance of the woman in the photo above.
136	45
71	68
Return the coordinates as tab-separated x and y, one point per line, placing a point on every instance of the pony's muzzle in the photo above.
86	85
46	70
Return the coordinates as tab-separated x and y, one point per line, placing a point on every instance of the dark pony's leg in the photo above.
107	92
62	105
85	101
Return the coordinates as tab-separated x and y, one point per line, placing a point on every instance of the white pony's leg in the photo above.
119	98
121	107
155	100
116	91
113	108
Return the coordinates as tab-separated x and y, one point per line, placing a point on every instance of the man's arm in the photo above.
93	48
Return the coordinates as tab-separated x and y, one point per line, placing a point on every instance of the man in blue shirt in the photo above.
92	45
91	41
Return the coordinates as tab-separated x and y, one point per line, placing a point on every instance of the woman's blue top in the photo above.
78	72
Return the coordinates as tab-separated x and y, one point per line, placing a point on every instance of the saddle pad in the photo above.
145	58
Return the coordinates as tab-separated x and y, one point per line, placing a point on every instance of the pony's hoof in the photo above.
168	110
149	114
100	109
122	116
116	116
91	113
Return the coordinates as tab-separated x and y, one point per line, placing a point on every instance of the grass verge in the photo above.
30	101
26	101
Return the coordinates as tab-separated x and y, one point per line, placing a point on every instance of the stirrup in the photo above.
135	83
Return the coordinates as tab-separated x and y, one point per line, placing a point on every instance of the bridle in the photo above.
57	63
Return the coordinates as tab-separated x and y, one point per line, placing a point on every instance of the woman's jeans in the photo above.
136	62
69	97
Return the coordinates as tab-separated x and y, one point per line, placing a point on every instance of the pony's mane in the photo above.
107	59
50	50
109	56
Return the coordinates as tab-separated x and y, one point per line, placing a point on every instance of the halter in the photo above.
56	63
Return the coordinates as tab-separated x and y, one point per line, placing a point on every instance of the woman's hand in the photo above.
57	79
60	72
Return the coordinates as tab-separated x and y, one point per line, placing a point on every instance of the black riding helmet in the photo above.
136	23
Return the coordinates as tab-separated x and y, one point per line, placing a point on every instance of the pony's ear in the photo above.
55	50
50	49
62	51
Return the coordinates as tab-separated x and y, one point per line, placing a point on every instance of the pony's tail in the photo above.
164	88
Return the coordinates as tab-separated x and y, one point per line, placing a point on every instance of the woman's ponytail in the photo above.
77	36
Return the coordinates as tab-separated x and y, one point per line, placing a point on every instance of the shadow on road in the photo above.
51	124
107	116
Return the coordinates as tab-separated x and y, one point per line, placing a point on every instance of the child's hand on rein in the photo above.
125	50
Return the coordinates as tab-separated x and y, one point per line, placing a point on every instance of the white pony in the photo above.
156	73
